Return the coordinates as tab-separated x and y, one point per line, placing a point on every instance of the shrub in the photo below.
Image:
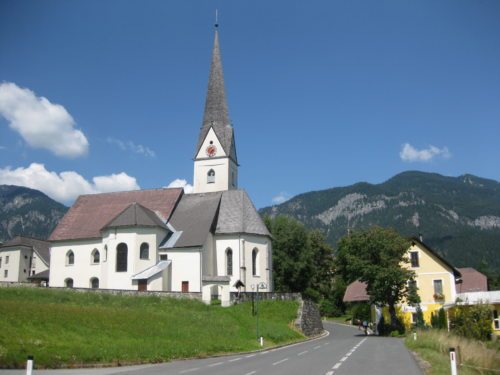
438	319
472	321
360	311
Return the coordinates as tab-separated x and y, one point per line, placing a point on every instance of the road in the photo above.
344	351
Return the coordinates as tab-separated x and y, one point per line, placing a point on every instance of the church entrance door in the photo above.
185	286
143	285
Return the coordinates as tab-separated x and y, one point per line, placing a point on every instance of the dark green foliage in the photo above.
438	319
472	321
303	262
27	212
420	322
437	200
360	311
374	256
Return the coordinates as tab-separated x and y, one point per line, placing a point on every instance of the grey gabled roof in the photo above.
216	114
237	214
193	219
41	247
136	215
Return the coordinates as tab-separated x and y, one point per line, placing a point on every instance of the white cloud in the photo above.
411	154
281	198
178	182
41	123
131	146
65	186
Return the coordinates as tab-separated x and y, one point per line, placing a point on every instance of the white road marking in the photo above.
215	364
250	356
234	359
329	373
326	343
190	370
343	359
304	352
277	363
337	365
267	351
251	373
317	347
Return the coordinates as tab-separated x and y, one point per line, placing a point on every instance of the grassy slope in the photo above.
475	356
66	328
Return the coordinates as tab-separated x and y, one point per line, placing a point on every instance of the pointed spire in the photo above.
216	114
215	104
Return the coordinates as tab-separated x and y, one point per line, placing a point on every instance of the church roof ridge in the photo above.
216	114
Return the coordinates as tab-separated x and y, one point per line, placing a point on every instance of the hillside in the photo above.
27	212
457	216
65	328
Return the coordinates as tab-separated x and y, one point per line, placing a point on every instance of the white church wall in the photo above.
186	266
209	264
222	244
82	270
263	271
221	167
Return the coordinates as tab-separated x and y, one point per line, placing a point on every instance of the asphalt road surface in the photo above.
344	351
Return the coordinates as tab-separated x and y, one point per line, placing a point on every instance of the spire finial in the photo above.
216	18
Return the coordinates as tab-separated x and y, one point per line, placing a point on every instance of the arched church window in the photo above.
121	257
255	262
229	262
211	176
95	256
70	258
144	252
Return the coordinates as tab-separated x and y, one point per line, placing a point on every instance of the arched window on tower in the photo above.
121	257
68	283
211	177
229	262
94	283
255	262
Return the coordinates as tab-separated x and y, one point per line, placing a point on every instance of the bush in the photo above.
472	321
438	319
328	308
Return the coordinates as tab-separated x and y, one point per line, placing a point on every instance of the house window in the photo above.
0	262
211	176
70	258
121	257
438	288
255	262
144	252
414	259
68	283
229	262
496	320
94	283
6	259
6	273
163	256
95	256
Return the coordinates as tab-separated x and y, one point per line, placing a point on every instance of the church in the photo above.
212	241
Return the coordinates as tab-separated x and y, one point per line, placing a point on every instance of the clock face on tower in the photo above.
211	150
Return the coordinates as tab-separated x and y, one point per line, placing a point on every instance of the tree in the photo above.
375	256
302	259
472	321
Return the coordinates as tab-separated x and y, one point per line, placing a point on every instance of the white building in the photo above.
212	241
23	259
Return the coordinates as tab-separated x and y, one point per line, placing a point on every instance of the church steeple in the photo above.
216	115
215	161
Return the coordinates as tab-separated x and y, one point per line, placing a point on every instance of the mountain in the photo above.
459	217
27	212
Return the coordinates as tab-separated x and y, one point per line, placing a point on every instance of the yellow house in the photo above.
435	279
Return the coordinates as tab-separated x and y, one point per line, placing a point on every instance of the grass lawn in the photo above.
63	328
474	357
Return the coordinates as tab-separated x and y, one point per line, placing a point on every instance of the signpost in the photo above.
258	286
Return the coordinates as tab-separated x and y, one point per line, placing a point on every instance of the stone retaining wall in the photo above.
309	319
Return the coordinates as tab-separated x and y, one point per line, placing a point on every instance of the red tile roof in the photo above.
91	213
356	292
472	281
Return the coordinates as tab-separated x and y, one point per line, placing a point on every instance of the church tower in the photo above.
215	161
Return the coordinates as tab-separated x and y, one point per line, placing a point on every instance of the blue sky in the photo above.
321	93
